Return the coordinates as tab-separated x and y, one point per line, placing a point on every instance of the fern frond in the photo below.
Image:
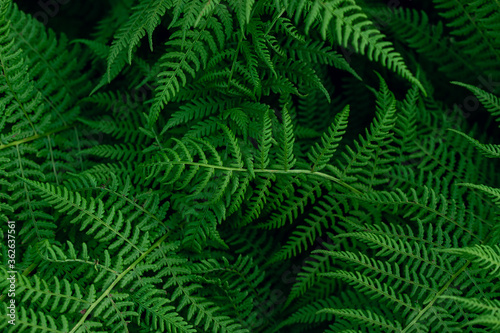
488	257
475	24
369	152
317	52
159	314
176	64
24	109
488	309
320	155
493	193
305	235
91	213
415	30
488	150
243	9
290	209
287	139
29	320
352	27
490	101
144	18
308	276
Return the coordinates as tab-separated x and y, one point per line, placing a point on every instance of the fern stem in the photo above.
34	137
115	282
290	171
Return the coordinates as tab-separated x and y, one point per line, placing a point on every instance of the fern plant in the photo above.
250	166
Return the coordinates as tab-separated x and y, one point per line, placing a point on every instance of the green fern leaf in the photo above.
320	155
285	155
144	19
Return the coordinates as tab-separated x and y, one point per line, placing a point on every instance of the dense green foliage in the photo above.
250	166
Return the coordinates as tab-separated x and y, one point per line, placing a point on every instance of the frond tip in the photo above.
353	28
321	154
488	257
287	138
